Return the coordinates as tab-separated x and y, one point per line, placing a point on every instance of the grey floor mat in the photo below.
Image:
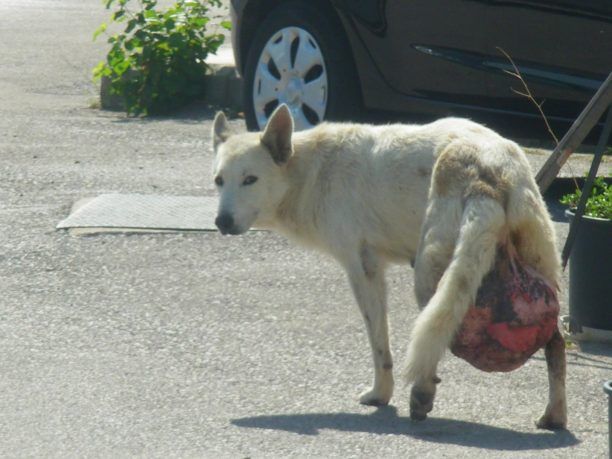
143	213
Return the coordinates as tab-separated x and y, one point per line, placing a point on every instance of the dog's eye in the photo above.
219	180
249	180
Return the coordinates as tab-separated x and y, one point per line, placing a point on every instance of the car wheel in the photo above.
300	57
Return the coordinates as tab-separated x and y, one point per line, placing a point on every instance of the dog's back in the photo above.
353	181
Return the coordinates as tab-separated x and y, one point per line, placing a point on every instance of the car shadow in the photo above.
385	421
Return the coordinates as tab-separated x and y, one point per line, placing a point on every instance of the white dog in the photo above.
440	196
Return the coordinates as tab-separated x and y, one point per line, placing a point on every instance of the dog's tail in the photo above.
482	221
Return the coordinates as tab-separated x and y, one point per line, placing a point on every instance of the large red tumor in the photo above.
515	315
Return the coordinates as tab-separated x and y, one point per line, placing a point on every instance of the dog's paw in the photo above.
551	422
374	397
421	403
554	418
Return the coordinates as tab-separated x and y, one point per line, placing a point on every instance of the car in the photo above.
330	59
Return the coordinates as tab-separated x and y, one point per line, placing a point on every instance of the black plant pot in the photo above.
590	289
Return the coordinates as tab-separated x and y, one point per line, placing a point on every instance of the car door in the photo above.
563	49
423	48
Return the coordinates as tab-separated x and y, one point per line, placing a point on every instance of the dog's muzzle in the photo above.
225	223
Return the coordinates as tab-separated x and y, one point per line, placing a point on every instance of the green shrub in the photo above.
599	203
157	63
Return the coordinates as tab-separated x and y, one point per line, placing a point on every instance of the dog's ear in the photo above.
277	134
220	130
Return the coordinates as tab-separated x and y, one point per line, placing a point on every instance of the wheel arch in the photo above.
255	13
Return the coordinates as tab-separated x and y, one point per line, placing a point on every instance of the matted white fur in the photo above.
440	196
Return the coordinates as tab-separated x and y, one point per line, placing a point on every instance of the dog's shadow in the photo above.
385	421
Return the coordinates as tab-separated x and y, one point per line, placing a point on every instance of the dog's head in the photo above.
249	171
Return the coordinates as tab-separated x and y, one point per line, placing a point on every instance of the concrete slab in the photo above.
138	212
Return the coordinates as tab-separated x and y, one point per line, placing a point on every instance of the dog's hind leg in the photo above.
533	236
482	222
438	237
555	416
366	275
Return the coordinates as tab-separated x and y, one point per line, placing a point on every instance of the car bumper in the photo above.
236	10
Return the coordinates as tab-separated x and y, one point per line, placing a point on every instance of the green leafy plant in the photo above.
158	62
598	205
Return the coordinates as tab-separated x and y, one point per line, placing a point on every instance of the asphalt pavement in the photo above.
194	344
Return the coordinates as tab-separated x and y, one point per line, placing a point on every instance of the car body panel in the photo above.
407	66
573	58
442	57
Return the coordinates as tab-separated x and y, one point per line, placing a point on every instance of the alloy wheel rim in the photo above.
291	70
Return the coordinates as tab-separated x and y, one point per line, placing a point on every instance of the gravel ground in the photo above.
195	345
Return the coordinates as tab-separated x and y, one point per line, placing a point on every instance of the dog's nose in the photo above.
225	223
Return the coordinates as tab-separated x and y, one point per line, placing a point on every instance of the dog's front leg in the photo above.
555	416
366	275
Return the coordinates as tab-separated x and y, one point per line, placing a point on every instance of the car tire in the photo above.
329	89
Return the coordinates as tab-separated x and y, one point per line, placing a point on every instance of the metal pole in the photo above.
576	134
586	189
